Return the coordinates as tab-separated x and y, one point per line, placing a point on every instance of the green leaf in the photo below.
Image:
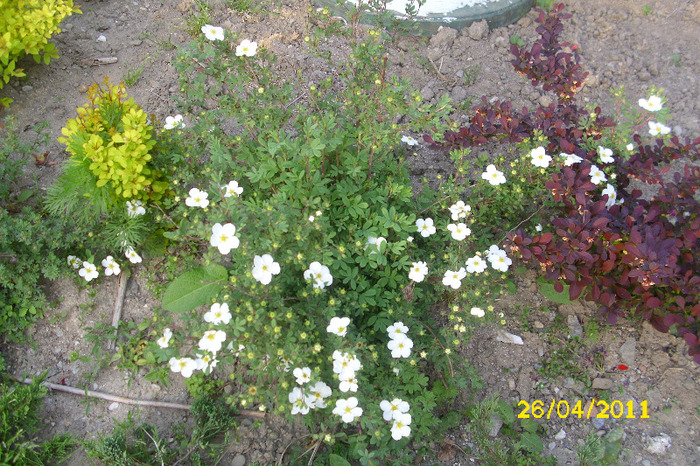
506	412
548	291
24	195
336	460
531	442
194	288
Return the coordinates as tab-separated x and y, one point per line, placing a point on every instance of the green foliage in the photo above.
19	405
32	246
548	291
195	288
25	29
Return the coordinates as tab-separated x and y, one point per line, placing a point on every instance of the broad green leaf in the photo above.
531	442
194	288
548	291
336	460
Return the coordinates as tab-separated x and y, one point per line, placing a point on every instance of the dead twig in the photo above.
118	305
127	401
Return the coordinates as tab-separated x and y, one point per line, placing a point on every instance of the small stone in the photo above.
653	69
602	384
478	31
538	324
27	88
427	93
524	22
496	424
659	444
238	460
444	37
598	423
678	130
135	43
113	406
575	329
511	384
506	337
628	352
155	387
552	445
561	435
545	101
101	38
500	42
644	76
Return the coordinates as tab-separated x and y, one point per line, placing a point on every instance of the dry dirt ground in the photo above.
622	42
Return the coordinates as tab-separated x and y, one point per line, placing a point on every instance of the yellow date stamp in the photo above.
600	409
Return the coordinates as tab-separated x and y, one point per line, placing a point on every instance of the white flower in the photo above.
218	314
134	209
338	326
400	347
197	198
494	250
376	242
88	271
212	340
597	175
318	394
453	278
477	312
398	330
401	427
246	48
311	219
538	227
111	267
656	128
425	227
232	189
605	154
540	158
172	122
303	375
409	239
493	176
224	237
264	267
651	105
476	264
500	263
348	382
409	141
133	257
612	195
347	409
298	401
630	147
213	32
320	274
184	366
205	362
460	210
459	231
418	271
345	363
392	408
74	261
165	339
570	159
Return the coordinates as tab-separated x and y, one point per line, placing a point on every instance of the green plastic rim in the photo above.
496	13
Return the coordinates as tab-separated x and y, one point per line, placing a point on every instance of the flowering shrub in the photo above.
625	251
25	28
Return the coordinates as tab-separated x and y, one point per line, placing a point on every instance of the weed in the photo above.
471	74
676	59
133	75
591	330
545	4
199	18
647	10
517	40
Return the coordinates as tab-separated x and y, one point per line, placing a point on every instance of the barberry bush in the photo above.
629	252
25	29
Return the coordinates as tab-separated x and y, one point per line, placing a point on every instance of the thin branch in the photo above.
127	401
119	305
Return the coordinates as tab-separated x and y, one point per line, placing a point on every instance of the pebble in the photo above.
552	445
602	384
628	352
101	38
538	324
598	423
135	43
506	337
561	435
444	37
659	444
427	93
238	460
478	31
27	88
459	94
496	424
113	406
644	76
575	329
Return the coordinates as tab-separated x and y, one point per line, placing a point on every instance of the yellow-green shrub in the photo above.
113	138
25	29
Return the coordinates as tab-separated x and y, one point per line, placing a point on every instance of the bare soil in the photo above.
622	42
